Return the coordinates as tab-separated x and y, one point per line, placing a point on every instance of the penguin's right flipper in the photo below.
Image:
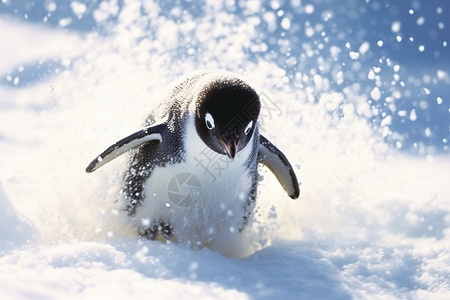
137	139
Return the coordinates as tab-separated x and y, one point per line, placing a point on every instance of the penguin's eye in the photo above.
209	121
248	128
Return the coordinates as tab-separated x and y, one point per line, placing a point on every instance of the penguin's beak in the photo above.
230	145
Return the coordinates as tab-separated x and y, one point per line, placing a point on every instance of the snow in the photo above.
372	221
413	115
78	8
286	23
375	94
309	9
420	21
364	48
45	43
354	55
395	27
64	22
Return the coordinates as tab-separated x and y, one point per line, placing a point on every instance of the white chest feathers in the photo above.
204	198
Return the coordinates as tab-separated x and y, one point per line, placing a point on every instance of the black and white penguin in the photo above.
193	171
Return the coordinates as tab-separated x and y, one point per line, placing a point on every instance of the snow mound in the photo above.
14	230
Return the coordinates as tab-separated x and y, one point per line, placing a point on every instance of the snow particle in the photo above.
413	115
387	120
339	77
401	113
50	6
270	19
16	80
411	11
423	104
364	48
420	21
309	9
286	23
439	100
396	78
309	31
64	22
242	196
105	10
375	94
275	4
334	51
78	8
398	38
395	27
327	15
380	43
421	48
426	79
354	55
193	266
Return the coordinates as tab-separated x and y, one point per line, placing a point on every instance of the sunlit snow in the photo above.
354	93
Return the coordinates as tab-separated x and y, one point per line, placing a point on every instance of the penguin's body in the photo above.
193	176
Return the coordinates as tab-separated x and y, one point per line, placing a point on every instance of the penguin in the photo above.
192	175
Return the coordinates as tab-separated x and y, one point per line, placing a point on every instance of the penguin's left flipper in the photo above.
276	161
133	141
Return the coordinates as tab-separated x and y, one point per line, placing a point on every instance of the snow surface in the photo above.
372	222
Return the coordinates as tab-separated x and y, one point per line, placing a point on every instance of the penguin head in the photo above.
226	115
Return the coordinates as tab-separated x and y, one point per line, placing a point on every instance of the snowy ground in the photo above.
366	133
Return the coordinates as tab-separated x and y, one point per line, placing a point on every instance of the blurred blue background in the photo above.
396	51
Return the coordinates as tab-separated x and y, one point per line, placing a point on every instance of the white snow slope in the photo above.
370	223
